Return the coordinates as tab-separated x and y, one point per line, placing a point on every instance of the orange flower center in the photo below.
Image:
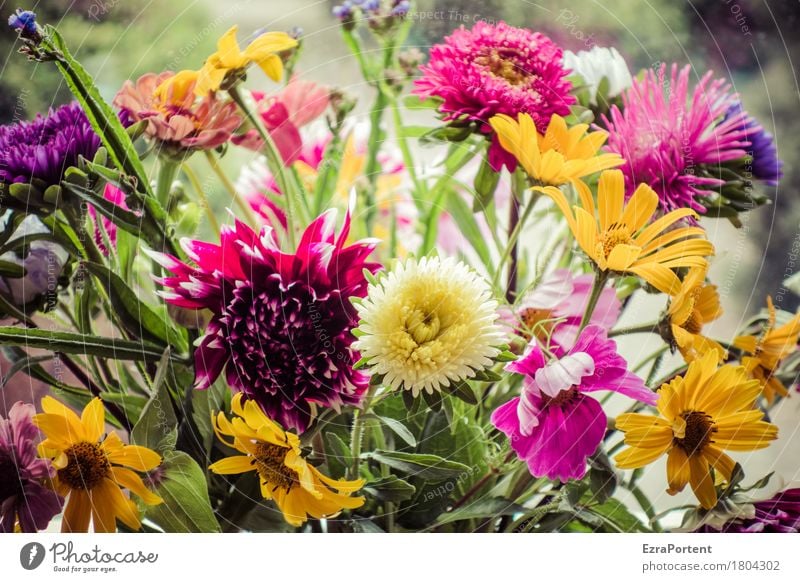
535	321
87	466
617	234
502	66
269	462
698	432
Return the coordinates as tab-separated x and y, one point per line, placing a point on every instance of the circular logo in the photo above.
31	555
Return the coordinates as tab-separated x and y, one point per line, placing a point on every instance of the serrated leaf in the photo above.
422	466
399	429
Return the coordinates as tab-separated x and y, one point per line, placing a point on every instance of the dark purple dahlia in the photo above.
24	499
766	166
44	148
781	514
282	322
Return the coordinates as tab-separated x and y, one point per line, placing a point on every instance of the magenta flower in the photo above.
23	497
496	68
117	196
557	305
780	514
666	134
555	425
281	325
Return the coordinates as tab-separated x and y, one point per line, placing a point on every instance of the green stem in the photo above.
644	328
600	279
357	433
198	188
243	205
513	236
167	170
420	190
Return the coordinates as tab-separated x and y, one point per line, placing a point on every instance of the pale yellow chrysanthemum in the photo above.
428	323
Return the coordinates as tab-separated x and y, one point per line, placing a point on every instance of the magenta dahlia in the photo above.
496	68
281	322
667	133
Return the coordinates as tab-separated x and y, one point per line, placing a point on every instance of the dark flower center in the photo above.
87	466
616	234
271	469
694	324
502	64
699	430
562	398
9	478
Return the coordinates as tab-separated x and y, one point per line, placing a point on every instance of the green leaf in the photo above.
338	453
399	429
415	102
186	507
139	318
390	488
77	343
11	269
423	466
485	184
490	507
432	399
602	477
611	516
462	391
487	376
158	425
465	219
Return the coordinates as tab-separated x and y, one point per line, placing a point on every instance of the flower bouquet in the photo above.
395	327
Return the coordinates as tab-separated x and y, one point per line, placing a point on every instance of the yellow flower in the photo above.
298	488
230	58
176	92
702	414
560	155
621	241
764	353
92	469
695	304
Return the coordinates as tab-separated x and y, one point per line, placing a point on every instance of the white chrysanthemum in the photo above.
597	63
428	323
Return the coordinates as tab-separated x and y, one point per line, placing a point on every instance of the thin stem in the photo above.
598	286
420	189
229	186
513	225
357	433
514	236
167	170
643	328
198	188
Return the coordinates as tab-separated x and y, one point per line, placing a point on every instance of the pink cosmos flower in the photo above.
496	68
557	305
175	117
555	424
281	324
666	133
284	113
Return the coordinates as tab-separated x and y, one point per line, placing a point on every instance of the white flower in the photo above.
597	63
427	323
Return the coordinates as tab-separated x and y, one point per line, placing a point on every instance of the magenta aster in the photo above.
666	133
555	425
24	499
780	514
496	68
281	322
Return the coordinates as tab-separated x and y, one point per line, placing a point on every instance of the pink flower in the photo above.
555	425
496	68
283	114
174	116
666	134
281	324
117	196
557	306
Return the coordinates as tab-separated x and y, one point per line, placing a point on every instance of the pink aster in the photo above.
281	324
284	113
666	132
555	424
556	306
496	68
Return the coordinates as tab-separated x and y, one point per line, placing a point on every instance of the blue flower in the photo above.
765	166
23	21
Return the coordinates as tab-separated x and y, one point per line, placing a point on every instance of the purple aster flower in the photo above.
555	425
282	322
23	497
42	149
665	133
781	514
766	165
23	21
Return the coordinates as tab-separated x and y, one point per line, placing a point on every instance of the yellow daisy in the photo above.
617	236
702	414
559	156
695	304
91	469
764	353
229	58
297	488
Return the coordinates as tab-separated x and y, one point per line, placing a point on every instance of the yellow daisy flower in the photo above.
91	470
622	241
764	353
230	58
702	414
297	488
695	304
559	156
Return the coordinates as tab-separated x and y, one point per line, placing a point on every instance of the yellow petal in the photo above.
131	481
702	483
233	465
633	458
640	208
677	470
93	419
272	65
658	276
610	197
228	52
77	513
136	457
622	256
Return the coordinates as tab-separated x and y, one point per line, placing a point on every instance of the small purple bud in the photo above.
23	21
